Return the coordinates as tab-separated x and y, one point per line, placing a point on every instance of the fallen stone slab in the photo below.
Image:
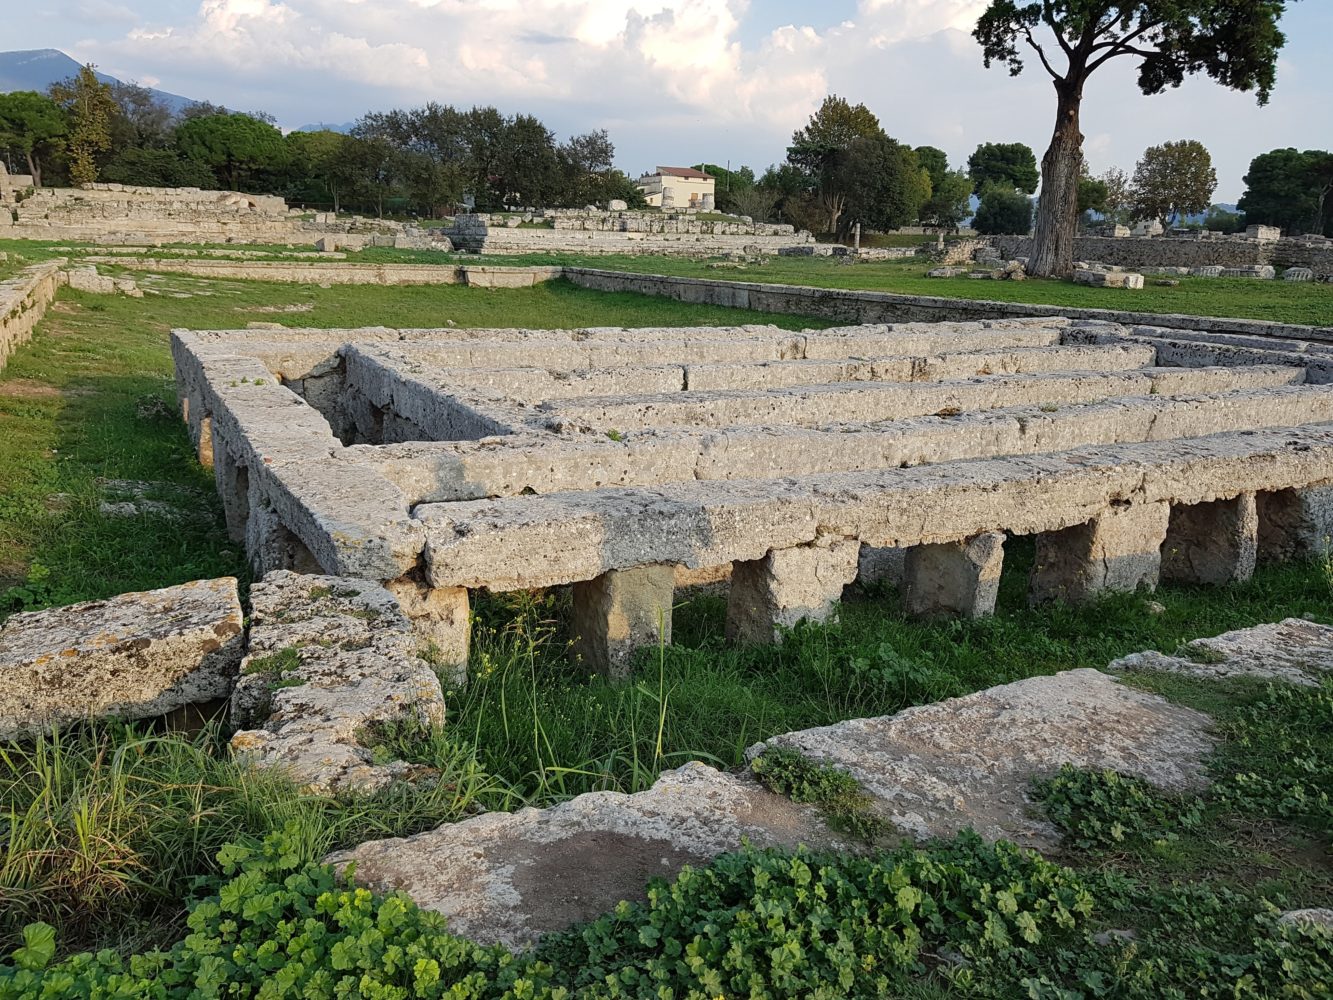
329	659
1108	279
1294	650
508	878
969	762
133	656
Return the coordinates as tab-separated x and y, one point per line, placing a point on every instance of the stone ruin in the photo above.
618	232
626	463
128	214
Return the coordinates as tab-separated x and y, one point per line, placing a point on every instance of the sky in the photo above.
675	82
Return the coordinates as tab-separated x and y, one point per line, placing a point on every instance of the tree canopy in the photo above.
33	125
232	143
91	109
1010	165
1174	180
1291	189
1235	42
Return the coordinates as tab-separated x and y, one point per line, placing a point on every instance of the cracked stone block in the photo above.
134	656
619	612
1214	542
330	658
955	578
1294	650
1295	523
1119	550
788	586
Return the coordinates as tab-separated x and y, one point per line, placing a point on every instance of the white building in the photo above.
678	187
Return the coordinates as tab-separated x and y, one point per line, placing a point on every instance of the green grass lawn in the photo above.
90	399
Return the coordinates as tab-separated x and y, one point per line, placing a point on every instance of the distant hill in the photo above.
344	128
37	69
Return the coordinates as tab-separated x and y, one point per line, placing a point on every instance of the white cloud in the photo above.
671	77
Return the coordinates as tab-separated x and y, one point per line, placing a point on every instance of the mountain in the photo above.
344	128
37	69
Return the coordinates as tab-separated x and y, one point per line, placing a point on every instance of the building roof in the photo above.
690	172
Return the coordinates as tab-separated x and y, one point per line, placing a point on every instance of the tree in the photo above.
157	168
882	181
232	144
1174	180
1118	205
317	156
1235	42
1221	220
1092	195
31	124
141	120
91	108
949	201
816	149
1290	189
1003	211
1008	164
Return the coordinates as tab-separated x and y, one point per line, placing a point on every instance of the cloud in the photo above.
675	80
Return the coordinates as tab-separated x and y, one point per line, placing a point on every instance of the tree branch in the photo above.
1120	51
1049	18
1042	55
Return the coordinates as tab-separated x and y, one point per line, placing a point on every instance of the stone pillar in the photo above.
787	585
1295	524
233	483
954	578
442	619
619	612
1212	542
1119	550
6	188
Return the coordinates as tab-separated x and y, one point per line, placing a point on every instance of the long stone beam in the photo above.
545	541
442	472
815	405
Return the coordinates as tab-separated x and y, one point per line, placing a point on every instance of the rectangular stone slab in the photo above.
134	656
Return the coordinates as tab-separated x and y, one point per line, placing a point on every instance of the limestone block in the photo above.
329	659
1295	524
134	656
1265	234
787	586
1108	279
1295	651
1263	272
1212	542
954	578
509	878
1119	550
86	279
441	617
1207	271
945	272
969	762
616	205
619	612
1298	274
326	244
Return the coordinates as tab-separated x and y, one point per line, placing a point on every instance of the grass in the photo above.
89	405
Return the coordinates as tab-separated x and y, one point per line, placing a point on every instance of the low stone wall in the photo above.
1148	252
886	307
346	273
23	302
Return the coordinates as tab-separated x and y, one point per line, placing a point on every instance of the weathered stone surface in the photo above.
329	658
968	762
619	612
1215	542
788	586
134	656
508	878
1294	650
1120	550
955	578
1298	274
1315	918
1108	279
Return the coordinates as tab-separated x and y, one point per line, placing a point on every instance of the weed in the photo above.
1107	809
838	794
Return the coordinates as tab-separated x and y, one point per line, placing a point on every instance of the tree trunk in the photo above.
1057	213
34	168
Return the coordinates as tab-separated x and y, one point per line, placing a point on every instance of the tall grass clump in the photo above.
106	832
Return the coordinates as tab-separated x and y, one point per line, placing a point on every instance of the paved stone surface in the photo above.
328	659
507	878
1294	650
134	656
968	762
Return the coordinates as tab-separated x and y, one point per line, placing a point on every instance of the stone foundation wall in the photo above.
23	302
1149	252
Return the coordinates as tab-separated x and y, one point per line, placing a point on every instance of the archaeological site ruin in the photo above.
626	462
